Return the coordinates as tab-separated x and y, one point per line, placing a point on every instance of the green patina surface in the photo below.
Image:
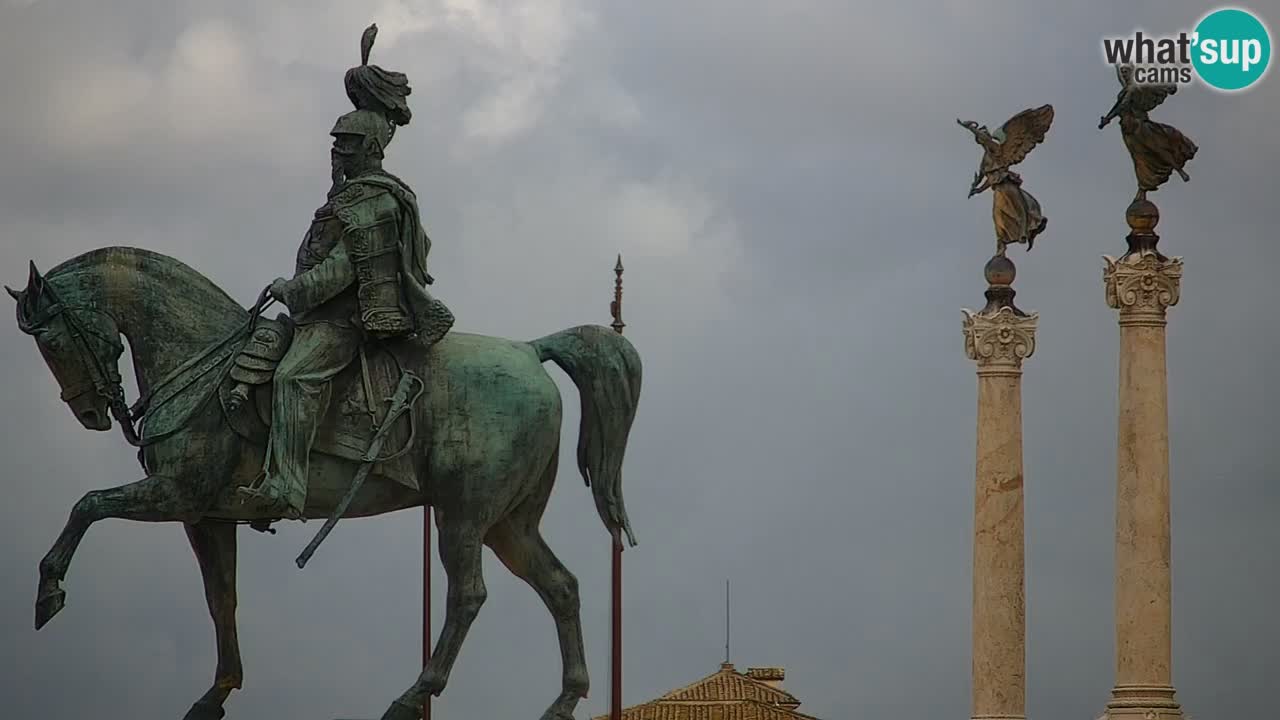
483	448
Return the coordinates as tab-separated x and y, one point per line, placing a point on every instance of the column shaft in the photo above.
999	338
1143	583
999	600
1142	286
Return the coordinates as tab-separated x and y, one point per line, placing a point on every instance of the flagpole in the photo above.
615	669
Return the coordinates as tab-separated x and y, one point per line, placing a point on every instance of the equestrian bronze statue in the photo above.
361	401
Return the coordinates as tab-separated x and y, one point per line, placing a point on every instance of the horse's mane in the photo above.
150	262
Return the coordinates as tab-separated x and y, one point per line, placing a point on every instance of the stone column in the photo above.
1142	285
999	337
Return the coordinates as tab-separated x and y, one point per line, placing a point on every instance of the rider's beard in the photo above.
338	175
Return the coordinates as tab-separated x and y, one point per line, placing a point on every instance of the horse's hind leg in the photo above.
460	555
155	498
215	548
519	544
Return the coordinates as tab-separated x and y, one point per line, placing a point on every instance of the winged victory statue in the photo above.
1158	150
1017	215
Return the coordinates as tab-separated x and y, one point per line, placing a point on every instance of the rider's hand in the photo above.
277	288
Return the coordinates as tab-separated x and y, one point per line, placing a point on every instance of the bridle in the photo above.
105	378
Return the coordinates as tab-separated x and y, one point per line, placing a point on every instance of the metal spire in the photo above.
615	308
615	661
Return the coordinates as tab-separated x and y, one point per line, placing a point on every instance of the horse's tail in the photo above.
606	369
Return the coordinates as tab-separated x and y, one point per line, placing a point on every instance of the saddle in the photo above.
359	400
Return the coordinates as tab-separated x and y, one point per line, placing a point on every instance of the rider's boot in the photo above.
270	498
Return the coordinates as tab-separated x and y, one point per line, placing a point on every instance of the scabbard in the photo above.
361	475
400	403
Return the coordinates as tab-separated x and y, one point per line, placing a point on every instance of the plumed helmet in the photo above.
378	95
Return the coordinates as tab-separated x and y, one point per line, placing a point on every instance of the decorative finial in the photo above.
1142	215
1000	272
615	308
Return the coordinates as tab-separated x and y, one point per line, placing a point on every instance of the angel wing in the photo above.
1145	98
1141	97
1021	133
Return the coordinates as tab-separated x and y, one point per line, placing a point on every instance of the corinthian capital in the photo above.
1142	286
999	341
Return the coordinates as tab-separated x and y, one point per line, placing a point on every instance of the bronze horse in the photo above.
486	460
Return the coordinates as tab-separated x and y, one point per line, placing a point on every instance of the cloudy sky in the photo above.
786	183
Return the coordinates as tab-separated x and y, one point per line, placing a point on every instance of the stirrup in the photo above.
262	526
277	505
254	488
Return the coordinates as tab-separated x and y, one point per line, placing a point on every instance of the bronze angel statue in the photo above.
1017	215
1158	150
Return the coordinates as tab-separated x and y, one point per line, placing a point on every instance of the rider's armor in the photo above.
377	265
371	229
326	231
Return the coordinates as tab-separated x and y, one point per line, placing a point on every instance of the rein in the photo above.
144	407
106	381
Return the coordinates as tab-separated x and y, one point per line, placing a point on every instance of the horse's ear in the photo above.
13	293
35	281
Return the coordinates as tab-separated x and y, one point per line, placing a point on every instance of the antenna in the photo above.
726	621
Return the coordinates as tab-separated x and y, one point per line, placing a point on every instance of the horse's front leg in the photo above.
155	498
214	544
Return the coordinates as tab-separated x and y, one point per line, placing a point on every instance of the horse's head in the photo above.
80	344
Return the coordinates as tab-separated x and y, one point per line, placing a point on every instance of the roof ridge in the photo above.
730	674
696	683
766	711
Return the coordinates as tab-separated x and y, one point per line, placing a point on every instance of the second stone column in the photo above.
999	337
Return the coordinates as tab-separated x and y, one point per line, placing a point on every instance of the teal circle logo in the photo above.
1231	49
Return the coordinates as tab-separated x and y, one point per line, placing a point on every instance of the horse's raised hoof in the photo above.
205	711
49	603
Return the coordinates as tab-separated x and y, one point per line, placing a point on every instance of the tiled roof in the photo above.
728	684
700	710
723	695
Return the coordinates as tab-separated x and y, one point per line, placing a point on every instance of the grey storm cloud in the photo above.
786	184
